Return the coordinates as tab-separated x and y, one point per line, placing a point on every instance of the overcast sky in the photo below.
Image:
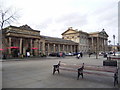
53	17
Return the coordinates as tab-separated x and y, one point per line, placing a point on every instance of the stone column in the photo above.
21	45
97	49
43	47
63	48
67	49
31	46
54	48
71	48
39	46
36	46
92	45
59	47
74	48
48	48
98	41
10	45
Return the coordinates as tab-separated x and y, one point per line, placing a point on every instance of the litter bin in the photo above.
110	63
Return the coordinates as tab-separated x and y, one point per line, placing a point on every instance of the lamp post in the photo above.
109	42
114	44
109	49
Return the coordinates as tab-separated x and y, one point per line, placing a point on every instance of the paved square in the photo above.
37	73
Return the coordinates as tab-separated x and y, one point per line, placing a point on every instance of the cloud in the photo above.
52	17
75	19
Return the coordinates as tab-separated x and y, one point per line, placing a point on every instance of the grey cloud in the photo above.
107	14
73	19
103	7
46	23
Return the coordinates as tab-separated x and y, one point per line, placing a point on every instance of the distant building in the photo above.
77	36
113	47
17	41
88	42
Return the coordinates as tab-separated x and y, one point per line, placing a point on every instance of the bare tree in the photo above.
7	16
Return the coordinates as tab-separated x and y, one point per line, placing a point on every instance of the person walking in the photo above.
78	56
28	54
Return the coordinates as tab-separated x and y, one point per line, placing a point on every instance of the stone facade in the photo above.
17	41
88	42
53	45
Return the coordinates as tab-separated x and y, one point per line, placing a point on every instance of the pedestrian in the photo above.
81	54
28	54
78	56
61	54
90	54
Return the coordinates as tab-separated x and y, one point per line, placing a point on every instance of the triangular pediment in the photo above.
26	27
69	31
103	34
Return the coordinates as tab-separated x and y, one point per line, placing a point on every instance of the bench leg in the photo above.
80	73
78	76
55	68
115	79
58	71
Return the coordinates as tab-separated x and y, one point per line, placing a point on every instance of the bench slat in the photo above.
99	74
68	69
100	69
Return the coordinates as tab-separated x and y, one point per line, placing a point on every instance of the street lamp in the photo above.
109	42
114	44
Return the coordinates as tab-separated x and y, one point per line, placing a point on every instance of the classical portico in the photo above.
98	41
21	40
88	42
18	41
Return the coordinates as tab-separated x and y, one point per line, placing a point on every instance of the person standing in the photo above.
78	56
81	54
61	54
28	54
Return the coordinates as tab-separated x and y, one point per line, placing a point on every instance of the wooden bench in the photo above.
82	69
115	58
74	68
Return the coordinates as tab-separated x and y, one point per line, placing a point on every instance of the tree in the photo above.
7	16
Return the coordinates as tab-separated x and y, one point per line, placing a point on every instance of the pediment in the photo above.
103	34
70	31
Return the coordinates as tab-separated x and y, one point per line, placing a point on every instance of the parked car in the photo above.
101	53
76	53
110	52
54	54
57	54
117	53
69	54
